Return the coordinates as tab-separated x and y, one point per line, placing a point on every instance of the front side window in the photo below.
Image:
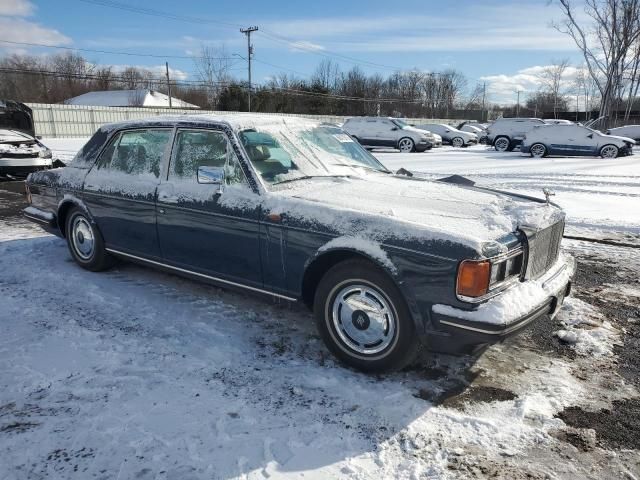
282	153
136	152
199	148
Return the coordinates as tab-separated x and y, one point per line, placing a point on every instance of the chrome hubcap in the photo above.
406	145
609	152
82	238
538	150
363	319
502	144
458	142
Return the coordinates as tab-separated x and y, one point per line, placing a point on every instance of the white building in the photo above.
128	98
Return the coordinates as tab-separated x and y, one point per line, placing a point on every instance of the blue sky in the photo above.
501	42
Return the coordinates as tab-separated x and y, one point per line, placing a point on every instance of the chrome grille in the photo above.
544	248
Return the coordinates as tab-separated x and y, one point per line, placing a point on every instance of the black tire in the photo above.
502	144
406	145
400	344
77	228
536	148
607	148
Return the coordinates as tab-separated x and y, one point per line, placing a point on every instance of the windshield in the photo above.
284	153
400	123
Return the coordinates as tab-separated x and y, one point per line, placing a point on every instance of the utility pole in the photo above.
166	64
247	32
484	96
518	104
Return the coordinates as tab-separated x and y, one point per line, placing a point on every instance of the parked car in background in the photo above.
630	131
291	209
572	139
437	140
475	128
372	132
450	135
557	121
20	152
505	134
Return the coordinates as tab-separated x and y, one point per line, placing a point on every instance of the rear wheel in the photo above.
457	142
502	144
85	242
609	151
538	150
406	145
363	318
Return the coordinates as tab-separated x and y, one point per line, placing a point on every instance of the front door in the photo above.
200	228
120	189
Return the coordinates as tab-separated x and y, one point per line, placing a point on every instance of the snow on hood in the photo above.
426	209
624	139
14	136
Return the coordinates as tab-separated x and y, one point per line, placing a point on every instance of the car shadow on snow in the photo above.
198	376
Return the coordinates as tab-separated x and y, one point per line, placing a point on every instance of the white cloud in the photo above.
502	88
480	27
304	46
16	8
19	30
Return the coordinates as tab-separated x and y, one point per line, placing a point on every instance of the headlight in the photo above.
46	153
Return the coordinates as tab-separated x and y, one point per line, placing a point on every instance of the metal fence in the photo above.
67	121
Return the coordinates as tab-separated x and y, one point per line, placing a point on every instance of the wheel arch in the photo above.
408	138
326	258
65	206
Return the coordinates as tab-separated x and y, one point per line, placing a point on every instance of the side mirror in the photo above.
394	128
590	135
211	176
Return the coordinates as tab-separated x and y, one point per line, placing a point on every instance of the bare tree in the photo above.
605	42
213	66
326	74
552	82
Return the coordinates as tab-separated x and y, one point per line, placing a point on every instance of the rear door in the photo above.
388	133
120	189
201	228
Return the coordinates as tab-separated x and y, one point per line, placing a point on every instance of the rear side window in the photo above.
136	152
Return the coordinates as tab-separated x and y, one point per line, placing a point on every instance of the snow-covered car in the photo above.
378	132
21	154
450	135
437	140
565	140
294	210
557	121
476	129
630	131
505	134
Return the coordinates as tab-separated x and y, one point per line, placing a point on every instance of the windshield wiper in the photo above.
307	177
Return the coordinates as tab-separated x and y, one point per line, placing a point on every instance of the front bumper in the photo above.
465	334
424	145
18	166
625	151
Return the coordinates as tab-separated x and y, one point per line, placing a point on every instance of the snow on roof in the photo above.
127	98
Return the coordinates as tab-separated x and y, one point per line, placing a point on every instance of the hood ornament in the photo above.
548	194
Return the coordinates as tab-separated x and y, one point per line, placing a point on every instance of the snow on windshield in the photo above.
285	152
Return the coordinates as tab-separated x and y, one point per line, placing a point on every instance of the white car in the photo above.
451	135
571	140
437	140
505	134
631	131
372	132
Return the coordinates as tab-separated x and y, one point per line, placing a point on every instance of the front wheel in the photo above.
609	151
502	144
85	242
406	145
457	142
538	150
363	318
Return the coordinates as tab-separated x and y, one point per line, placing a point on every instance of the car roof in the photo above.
235	121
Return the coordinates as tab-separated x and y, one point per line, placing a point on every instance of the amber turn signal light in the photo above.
473	278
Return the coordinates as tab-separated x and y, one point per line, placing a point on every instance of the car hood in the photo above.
623	139
416	130
401	206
